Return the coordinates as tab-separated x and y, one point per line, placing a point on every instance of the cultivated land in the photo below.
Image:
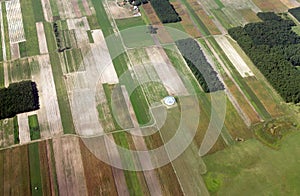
94	102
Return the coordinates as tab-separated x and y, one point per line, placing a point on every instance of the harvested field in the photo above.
7	132
78	23
69	166
15	52
249	15
15	21
67	9
86	6
99	175
42	38
151	14
47	10
235	18
19	70
241	4
14	170
47	91
271	5
165	69
291	3
24	133
234	57
208	22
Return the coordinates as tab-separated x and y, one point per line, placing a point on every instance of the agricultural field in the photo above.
103	97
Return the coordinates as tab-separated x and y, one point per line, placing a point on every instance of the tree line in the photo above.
18	98
165	11
273	47
197	62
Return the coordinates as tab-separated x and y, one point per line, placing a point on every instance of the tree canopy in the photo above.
165	11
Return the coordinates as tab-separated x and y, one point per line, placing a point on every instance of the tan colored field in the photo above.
24	134
271	5
186	22
119	12
66	9
69	166
47	10
151	14
249	15
165	70
42	38
290	3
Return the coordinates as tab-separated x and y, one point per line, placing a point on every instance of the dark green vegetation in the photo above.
253	168
138	2
1	75
295	12
61	40
31	46
18	98
273	47
165	11
34	127
197	62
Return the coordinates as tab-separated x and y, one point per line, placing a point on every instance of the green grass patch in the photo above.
38	10
54	8
6	35
102	18
253	168
16	131
91	39
129	22
2	82
51	43
62	95
20	70
219	3
34	127
120	64
35	173
31	44
132	181
213	182
93	22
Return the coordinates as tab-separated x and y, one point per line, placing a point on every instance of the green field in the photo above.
34	127
16	131
130	23
35	173
31	45
252	168
54	8
131	177
38	10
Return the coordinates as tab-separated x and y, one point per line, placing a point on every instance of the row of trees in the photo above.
165	11
273	47
18	98
197	62
60	43
138	2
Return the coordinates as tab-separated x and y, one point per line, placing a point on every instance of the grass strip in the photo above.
35	173
34	127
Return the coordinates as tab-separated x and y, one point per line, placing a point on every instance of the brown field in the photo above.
14	171
99	176
270	5
47	169
249	15
186	22
290	3
151	14
207	21
245	106
270	103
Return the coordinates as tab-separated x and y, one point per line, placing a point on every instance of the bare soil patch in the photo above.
47	10
24	133
42	38
15	52
166	71
119	12
271	5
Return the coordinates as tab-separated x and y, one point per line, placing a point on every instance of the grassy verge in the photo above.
34	127
6	35
31	44
131	177
35	173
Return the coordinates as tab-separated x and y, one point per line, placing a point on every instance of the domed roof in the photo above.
169	100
